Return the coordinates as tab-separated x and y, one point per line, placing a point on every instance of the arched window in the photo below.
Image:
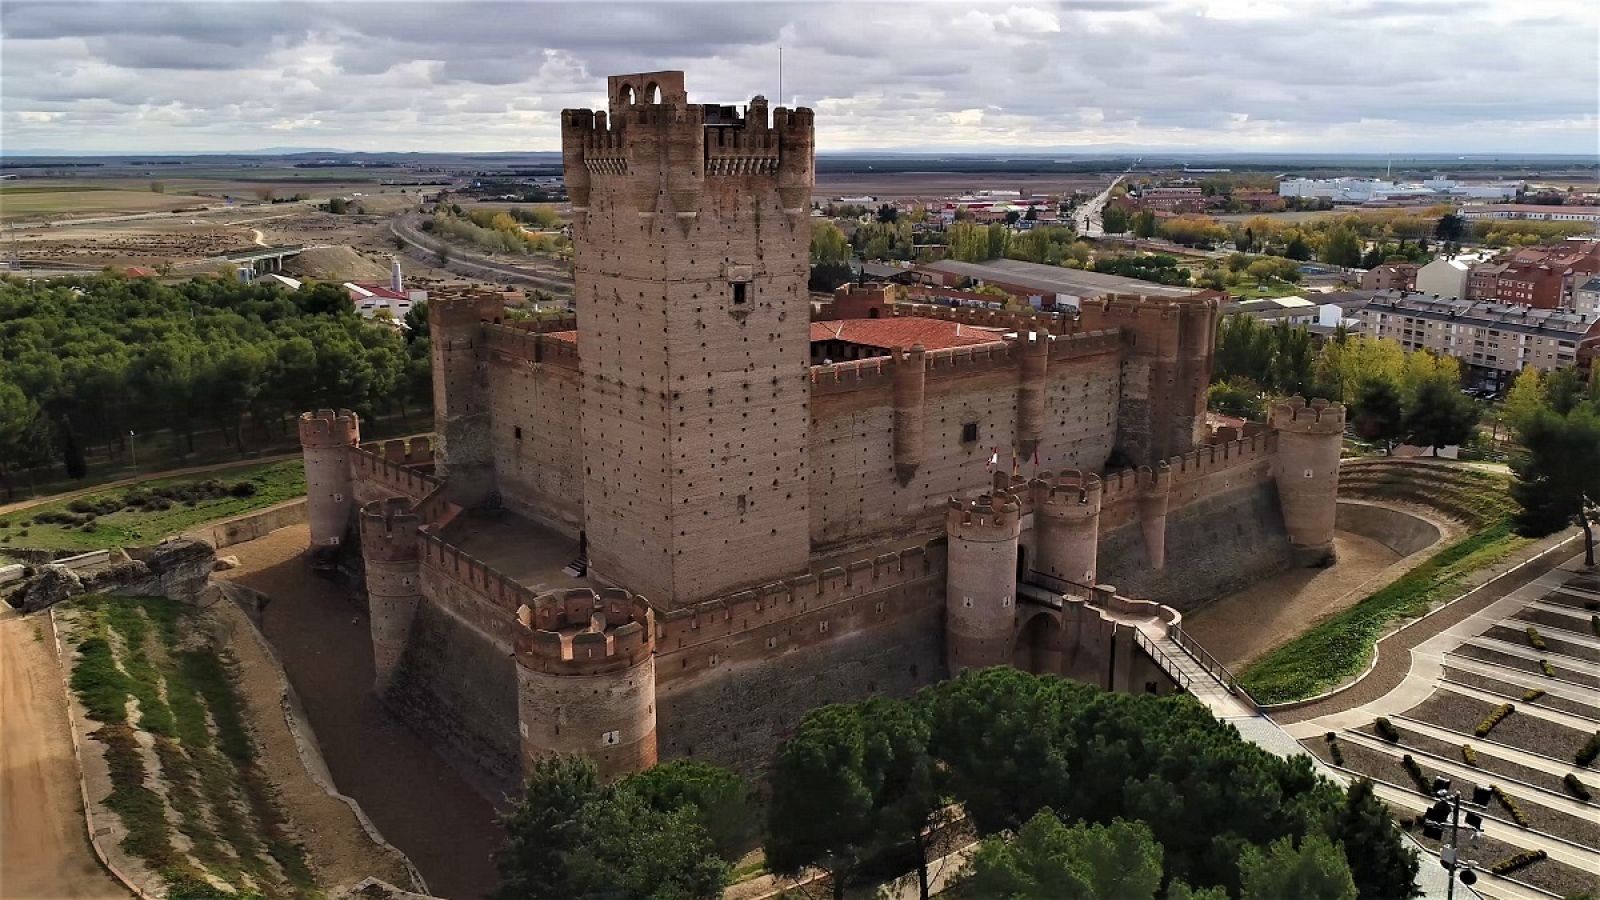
626	95
652	93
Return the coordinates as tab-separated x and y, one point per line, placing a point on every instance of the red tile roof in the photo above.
567	337
904	331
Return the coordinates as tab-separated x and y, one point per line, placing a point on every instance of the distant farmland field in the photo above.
21	201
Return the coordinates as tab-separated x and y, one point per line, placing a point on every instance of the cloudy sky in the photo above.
1379	76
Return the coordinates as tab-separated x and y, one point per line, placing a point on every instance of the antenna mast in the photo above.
780	76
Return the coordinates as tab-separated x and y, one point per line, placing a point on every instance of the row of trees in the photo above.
500	231
1556	418
89	360
1164	801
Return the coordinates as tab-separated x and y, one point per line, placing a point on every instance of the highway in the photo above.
405	228
1087	217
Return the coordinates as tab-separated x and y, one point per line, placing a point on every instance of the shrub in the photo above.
1510	805
1386	730
80	505
1594	620
1520	861
243	489
1578	788
1535	639
1415	771
1334	751
1469	755
1493	719
1532	694
1589	750
1546	668
22	532
5	523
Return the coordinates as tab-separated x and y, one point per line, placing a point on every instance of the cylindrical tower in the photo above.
1032	391
325	441
910	385
389	552
1306	469
586	679
1066	522
981	581
1155	495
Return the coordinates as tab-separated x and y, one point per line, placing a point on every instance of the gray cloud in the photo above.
1385	75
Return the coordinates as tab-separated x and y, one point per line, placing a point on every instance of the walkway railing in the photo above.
1167	663
1208	662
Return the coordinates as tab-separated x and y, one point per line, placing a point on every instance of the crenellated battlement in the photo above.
957	361
325	429
1317	417
531	345
781	600
371	462
1055	323
585	632
416	451
987	517
852	375
500	591
1072	493
389	530
464	308
1216	457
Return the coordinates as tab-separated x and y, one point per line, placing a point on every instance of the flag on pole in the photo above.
1036	455
994	459
1016	463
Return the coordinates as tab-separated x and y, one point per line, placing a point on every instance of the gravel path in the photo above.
418	802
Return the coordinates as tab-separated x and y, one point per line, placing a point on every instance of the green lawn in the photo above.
161	507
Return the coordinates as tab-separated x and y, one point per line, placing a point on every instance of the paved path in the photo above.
44	844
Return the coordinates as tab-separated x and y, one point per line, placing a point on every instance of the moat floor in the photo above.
1240	627
417	801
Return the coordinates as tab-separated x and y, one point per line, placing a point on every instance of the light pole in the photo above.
1448	811
133	448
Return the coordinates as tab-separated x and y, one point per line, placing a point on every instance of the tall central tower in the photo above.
692	243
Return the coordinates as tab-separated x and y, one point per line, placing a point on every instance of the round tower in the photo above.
586	679
1066	522
981	581
1033	391
390	554
1155	495
910	386
325	441
1306	469
464	452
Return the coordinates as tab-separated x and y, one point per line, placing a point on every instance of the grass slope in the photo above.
149	650
189	501
1340	646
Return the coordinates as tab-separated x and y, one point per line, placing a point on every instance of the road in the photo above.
404	228
135	479
44	847
1087	218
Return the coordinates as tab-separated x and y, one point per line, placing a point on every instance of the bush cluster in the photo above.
1534	639
1589	750
82	512
1520	861
1386	730
1594	623
1548	670
1415	771
1532	694
1469	755
1517	815
1334	750
1493	719
1578	788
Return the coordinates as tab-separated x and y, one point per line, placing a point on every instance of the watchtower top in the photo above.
645	89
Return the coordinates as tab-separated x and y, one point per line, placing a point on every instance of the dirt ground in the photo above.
418	802
1241	627
44	848
340	849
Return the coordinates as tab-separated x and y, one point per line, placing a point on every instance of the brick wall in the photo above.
538	446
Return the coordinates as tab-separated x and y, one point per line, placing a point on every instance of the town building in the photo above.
1493	341
1375	190
388	301
1047	286
1446	278
1532	212
1390	277
1586	299
662	528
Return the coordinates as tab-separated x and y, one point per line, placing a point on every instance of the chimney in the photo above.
395	283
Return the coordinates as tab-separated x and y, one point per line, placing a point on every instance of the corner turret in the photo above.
461	418
1306	468
981	581
1066	521
910	388
325	441
389	551
586	679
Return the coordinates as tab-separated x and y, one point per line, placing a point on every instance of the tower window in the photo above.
739	288
969	432
518	431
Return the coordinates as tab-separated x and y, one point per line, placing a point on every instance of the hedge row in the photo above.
1493	719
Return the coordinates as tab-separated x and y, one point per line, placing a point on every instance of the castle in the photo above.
673	525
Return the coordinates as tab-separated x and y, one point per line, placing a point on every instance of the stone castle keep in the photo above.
661	529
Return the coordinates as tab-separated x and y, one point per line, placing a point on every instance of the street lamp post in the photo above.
1448	812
